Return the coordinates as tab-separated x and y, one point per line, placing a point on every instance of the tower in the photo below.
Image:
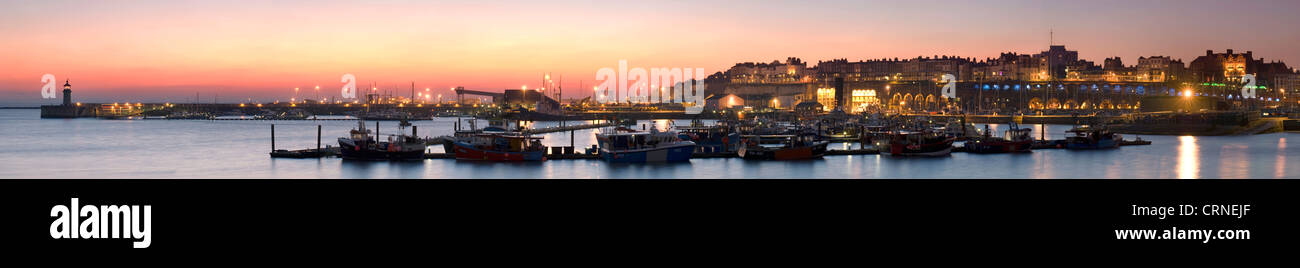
67	93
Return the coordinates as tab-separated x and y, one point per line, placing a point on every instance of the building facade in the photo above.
1051	81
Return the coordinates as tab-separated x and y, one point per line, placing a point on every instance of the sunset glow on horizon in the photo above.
156	51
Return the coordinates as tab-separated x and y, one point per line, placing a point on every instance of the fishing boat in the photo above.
960	131
710	138
1089	138
871	133
1014	140
465	134
360	144
623	145
914	143
1138	141
782	147
501	147
840	134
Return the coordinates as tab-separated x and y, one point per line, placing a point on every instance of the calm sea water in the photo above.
93	148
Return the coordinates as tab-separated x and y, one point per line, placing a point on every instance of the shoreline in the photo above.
1259	126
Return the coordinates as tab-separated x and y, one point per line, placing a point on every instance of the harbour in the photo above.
894	111
774	128
78	148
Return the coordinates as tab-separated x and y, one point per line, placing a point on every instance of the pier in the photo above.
569	152
260	119
332	151
570	128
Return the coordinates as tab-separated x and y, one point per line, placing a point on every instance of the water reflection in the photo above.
237	149
1279	169
1231	164
674	170
1189	162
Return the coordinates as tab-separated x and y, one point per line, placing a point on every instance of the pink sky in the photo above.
167	51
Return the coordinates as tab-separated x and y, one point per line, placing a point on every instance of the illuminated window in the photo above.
862	98
826	96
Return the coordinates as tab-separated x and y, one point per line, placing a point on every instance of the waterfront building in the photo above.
1230	67
1221	75
777	85
1220	67
1012	67
1288	86
1059	60
1051	81
1160	68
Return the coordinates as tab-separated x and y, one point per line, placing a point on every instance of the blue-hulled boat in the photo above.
1089	138
710	138
500	147
626	146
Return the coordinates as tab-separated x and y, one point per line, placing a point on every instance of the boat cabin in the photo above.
778	141
506	142
635	140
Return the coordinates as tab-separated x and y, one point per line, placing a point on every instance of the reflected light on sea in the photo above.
1189	162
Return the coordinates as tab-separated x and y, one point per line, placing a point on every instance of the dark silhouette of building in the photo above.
68	109
67	93
1058	58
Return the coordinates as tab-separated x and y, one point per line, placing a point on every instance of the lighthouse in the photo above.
67	93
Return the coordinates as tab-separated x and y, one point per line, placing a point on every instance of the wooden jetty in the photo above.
306	153
249	119
317	152
273	119
867	151
1060	144
330	151
569	128
548	156
568	154
334	151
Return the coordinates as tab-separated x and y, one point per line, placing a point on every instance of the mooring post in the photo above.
571	141
376	130
318	138
272	137
862	137
413	129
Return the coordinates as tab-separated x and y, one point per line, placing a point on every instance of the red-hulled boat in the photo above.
360	144
501	147
1016	140
914	143
782	147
